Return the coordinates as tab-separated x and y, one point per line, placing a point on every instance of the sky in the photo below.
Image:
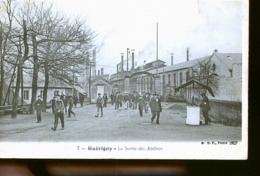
201	26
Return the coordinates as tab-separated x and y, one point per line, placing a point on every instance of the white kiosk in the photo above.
193	115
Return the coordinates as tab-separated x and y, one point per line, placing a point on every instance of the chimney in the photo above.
172	58
102	71
215	51
98	72
127	52
122	62
116	68
187	54
133	59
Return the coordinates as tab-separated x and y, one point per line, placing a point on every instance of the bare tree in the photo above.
5	31
49	42
205	72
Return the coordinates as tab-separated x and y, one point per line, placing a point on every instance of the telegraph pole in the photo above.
157	47
89	83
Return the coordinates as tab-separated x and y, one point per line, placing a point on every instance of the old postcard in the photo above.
124	79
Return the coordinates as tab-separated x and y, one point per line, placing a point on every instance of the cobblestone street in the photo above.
115	125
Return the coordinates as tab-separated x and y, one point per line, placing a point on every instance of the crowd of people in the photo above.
134	101
60	105
142	102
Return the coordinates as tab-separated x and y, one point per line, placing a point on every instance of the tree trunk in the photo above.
25	56
35	73
9	87
22	84
17	87
46	84
2	65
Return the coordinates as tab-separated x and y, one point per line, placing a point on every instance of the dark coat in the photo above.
38	105
70	102
205	104
156	105
141	102
59	106
100	102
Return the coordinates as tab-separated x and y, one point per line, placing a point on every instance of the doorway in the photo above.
100	89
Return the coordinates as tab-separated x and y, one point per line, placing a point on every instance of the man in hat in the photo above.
38	106
141	105
81	99
59	113
205	108
53	100
70	102
156	107
105	99
147	100
99	105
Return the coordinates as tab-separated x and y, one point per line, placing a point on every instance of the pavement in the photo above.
115	125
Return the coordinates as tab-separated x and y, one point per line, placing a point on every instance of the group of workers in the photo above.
125	100
134	101
60	104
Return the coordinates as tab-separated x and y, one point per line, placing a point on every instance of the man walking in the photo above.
59	113
205	108
105	99
141	105
53	104
126	100
70	101
38	106
75	100
112	96
99	105
81	99
147	101
156	108
117	101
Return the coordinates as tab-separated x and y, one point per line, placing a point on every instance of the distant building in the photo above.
129	81
224	70
100	84
55	87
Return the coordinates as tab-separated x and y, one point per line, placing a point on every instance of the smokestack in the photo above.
172	58
122	62
127	50
116	68
187	54
102	71
133	59
98	72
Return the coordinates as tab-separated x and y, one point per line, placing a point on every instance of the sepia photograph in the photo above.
124	79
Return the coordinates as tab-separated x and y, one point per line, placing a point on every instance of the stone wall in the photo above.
224	112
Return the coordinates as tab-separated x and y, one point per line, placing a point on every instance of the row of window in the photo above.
146	83
26	95
175	79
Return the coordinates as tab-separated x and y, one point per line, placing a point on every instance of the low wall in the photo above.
224	112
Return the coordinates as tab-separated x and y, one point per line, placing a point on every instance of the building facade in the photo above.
220	71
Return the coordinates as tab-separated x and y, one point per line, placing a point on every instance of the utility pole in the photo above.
157	47
87	71
89	83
